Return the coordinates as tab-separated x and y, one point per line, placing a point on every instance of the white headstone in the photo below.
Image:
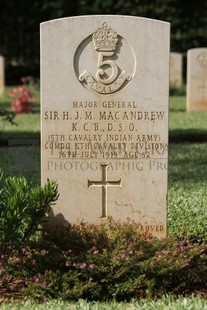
197	79
176	65
104	102
2	77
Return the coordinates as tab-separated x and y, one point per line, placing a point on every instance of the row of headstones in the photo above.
196	77
196	92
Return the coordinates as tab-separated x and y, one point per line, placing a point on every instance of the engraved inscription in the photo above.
104	184
106	130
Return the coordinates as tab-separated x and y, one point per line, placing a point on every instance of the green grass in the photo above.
187	194
183	303
186	126
188	164
21	161
27	125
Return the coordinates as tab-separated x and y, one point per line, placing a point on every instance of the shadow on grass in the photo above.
175	135
188	135
188	163
21	159
6	136
173	109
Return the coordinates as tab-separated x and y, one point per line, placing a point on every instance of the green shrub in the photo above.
7	116
177	91
113	262
22	208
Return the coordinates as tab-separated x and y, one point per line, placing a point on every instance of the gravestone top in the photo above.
196	79
104	108
176	68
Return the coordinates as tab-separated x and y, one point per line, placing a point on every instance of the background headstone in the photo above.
197	79
2	77
104	102
176	67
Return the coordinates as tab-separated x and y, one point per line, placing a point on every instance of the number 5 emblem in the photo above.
108	78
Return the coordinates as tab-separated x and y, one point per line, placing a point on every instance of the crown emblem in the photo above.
105	39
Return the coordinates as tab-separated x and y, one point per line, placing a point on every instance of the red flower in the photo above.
23	98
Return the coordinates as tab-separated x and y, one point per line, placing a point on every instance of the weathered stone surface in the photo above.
104	98
197	79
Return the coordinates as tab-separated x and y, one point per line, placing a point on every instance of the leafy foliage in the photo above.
108	262
22	208
7	116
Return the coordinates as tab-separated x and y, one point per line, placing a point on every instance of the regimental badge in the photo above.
107	76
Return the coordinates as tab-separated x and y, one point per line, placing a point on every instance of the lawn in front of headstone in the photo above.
166	302
187	195
183	126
